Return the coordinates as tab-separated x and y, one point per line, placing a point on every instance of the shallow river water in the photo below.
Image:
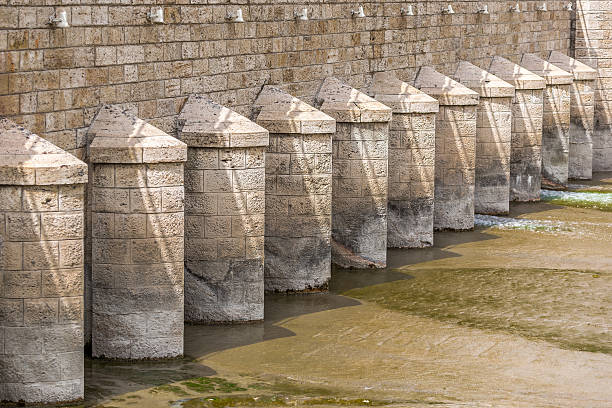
516	313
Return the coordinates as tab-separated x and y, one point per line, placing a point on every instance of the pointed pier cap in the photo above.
551	73
400	96
118	136
446	90
515	74
346	104
204	123
483	82
280	112
581	71
27	159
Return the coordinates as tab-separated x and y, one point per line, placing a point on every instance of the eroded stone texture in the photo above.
298	192
582	112
41	269
526	145
493	138
455	149
137	238
224	213
410	205
555	119
359	187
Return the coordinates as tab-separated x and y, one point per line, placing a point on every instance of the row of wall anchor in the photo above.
156	15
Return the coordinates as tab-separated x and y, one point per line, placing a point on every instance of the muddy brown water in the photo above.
492	317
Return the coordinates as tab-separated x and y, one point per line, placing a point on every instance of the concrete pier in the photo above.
224	213
41	269
527	107
455	149
493	138
298	192
137	238
555	119
412	137
582	114
359	190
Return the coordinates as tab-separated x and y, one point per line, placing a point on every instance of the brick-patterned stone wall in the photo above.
298	192
593	47
137	238
412	137
54	80
41	269
224	214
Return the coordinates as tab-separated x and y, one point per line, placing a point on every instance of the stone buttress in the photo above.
224	213
410	207
455	149
582	115
526	147
493	138
42	191
298	192
592	46
359	190
137	238
555	119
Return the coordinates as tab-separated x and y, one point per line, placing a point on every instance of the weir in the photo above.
227	153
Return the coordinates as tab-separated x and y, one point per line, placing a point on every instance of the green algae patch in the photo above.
170	389
588	204
209	384
282	401
570	309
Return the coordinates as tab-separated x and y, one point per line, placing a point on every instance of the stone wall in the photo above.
53	80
